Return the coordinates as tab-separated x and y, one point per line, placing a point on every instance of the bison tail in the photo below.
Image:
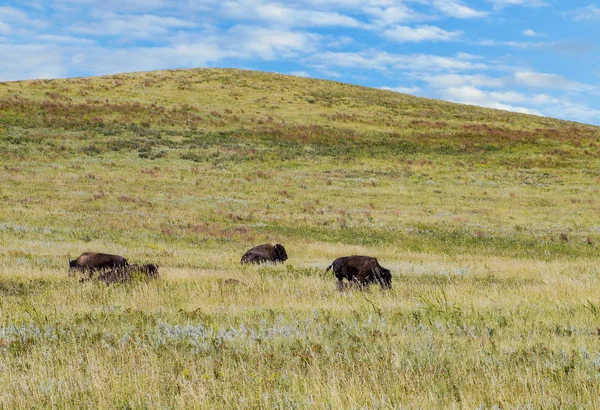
329	267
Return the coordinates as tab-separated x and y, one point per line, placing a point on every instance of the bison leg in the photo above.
252	258
362	276
343	273
378	277
386	282
90	272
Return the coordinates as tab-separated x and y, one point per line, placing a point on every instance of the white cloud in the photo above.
563	108
474	96
300	74
367	60
405	34
518	79
267	43
137	26
427	62
550	81
16	24
458	80
57	39
306	18
404	90
282	15
487	91
395	14
82	56
16	16
32	61
514	44
574	111
118	6
330	73
543	99
467	56
104	61
4	28
590	12
530	33
12	14
349	4
338	41
526	3
454	8
508	96
383	61
242	43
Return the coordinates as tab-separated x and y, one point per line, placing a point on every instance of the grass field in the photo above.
488	221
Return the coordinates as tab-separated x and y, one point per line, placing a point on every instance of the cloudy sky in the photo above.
533	56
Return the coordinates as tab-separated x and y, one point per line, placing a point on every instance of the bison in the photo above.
150	269
127	273
362	270
265	253
93	261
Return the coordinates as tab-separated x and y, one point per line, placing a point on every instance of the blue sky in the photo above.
533	56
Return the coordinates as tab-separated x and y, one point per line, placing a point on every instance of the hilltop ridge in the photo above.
226	99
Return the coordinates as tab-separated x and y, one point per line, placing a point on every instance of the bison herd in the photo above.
359	270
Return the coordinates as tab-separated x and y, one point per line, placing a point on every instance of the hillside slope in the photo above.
223	153
488	221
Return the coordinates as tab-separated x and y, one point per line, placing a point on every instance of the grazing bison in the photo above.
362	270
231	282
150	269
265	253
92	261
127	273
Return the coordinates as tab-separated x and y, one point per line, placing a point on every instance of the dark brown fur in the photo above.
362	270
265	253
232	282
127	273
150	270
93	261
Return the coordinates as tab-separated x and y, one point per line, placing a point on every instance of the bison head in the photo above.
279	253
150	270
384	277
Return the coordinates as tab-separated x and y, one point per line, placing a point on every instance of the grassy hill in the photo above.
487	219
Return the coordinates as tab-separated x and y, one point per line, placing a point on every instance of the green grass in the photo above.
488	221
